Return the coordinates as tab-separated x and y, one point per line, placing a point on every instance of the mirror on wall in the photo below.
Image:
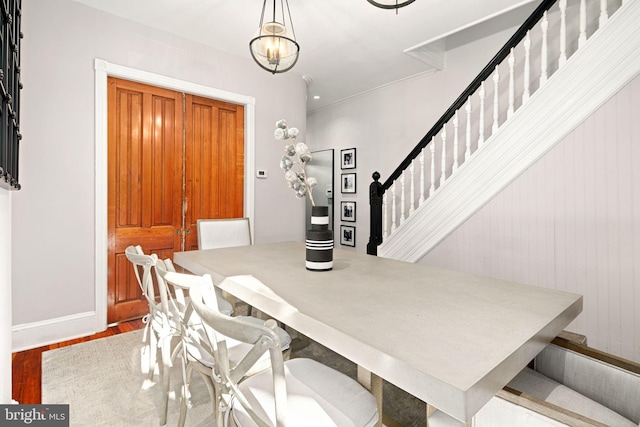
321	168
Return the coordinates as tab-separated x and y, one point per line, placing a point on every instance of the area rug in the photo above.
102	382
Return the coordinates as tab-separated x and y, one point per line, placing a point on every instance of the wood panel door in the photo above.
145	185
214	175
172	159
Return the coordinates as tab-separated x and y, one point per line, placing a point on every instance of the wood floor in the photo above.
27	365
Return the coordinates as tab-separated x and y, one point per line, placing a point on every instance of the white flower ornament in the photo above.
296	155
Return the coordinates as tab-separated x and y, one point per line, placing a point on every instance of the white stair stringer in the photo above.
592	75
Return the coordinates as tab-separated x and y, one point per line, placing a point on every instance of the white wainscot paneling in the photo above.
571	222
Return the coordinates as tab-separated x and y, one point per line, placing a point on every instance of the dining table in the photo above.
449	338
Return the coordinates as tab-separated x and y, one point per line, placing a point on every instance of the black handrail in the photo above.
377	189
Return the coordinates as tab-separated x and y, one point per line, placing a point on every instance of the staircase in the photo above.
494	132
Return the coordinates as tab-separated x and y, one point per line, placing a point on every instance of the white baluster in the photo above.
385	216
482	94
455	142
433	166
467	153
496	97
421	177
512	86
527	67
582	39
604	16
543	70
563	32
443	165
393	207
412	197
402	198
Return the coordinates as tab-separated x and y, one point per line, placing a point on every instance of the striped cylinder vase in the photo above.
319	240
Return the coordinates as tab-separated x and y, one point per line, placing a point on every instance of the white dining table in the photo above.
449	338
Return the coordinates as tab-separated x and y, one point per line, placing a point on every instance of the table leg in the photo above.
373	383
430	410
443	420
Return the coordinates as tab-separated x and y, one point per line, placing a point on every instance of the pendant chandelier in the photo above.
390	4
274	46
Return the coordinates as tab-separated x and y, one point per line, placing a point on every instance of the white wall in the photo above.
53	214
384	125
5	296
571	222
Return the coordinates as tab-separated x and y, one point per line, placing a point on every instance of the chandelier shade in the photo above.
274	46
390	4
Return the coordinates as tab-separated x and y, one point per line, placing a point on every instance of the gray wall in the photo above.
5	296
53	215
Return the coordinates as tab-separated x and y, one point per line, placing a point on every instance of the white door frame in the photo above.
104	69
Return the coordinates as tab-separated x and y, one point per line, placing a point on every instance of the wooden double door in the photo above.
173	158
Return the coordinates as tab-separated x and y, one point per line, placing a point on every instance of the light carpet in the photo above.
103	383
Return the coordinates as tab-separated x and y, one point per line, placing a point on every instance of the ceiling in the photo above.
347	47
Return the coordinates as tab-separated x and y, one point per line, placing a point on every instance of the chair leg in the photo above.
167	358
145	360
184	399
228	420
212	392
165	374
153	354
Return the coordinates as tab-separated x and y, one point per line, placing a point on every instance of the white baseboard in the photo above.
31	335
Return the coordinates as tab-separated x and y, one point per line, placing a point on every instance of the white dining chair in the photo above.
196	350
224	233
570	384
162	323
161	329
188	323
297	392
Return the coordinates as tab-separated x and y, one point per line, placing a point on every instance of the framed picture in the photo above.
348	158
348	235
348	211
348	183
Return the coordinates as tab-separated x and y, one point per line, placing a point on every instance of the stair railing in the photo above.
391	202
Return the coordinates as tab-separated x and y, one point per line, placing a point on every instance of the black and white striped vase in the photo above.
319	240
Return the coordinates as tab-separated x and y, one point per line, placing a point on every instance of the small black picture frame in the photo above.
348	158
348	235
348	183
348	211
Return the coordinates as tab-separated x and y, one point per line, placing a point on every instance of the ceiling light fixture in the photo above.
391	4
274	46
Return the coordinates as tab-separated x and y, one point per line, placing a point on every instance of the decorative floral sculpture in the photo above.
294	161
